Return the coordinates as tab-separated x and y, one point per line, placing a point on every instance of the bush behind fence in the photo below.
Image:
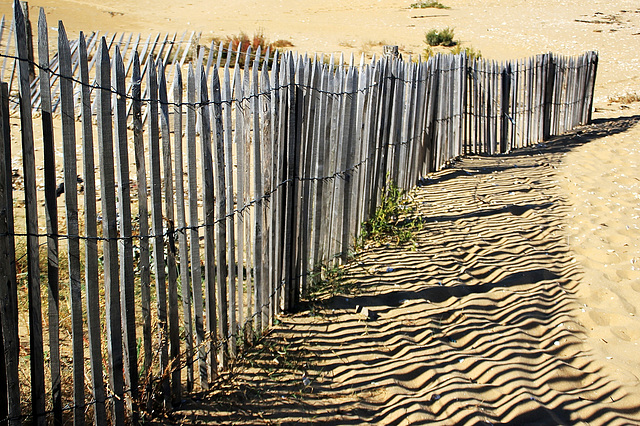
220	193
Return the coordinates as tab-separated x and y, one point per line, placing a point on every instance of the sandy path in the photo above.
479	323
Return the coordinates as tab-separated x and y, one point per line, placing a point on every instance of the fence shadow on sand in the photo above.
472	325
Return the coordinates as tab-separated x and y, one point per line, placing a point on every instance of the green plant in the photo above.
392	221
440	38
330	281
434	4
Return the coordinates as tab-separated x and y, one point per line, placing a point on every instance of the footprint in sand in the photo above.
625	333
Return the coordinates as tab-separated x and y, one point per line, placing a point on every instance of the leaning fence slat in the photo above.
8	287
51	210
265	291
212	202
240	142
33	257
291	290
110	233
196	270
171	251
71	203
91	244
183	248
125	243
258	190
225	266
157	230
143	217
348	159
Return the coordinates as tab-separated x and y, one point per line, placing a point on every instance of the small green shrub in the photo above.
430	4
440	38
391	222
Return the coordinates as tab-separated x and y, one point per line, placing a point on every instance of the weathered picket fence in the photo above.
215	210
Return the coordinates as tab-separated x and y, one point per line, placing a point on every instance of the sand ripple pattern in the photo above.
475	325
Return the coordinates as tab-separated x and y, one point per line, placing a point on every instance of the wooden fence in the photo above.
220	193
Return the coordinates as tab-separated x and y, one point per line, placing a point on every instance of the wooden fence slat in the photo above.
51	214
171	251
71	207
244	272
183	248
33	257
110	233
214	203
291	290
319	98
194	238
157	231
226	265
143	217
91	243
348	161
125	242
259	274
333	159
279	102
299	147
8	287
240	141
262	107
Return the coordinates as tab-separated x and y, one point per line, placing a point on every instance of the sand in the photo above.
519	300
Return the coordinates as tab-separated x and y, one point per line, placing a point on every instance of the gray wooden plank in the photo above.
226	266
259	274
244	272
71	207
194	238
51	215
8	287
144	268
183	248
266	291
33	257
157	231
214	203
125	242
347	160
291	290
91	244
110	234
171	251
240	142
